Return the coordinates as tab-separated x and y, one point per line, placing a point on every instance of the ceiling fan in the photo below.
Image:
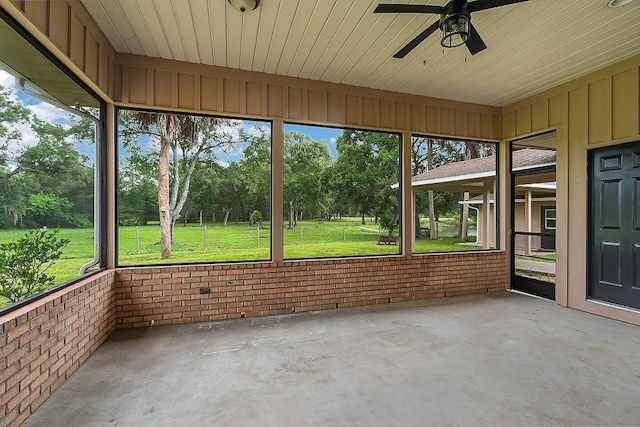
455	22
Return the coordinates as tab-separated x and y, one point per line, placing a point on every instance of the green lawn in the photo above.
235	242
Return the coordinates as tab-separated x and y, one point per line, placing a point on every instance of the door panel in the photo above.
614	253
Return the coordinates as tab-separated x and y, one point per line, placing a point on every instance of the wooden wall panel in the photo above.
186	90
539	115
459	123
334	107
77	35
401	115
445	122
599	107
254	98
624	104
209	94
104	71
295	103
137	85
92	58
431	125
523	120
275	101
368	111
315	105
162	88
416	118
387	114
38	12
556	110
472	123
576	115
352	110
508	125
231	95
59	33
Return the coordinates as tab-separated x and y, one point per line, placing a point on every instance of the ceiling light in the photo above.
618	3
244	5
455	29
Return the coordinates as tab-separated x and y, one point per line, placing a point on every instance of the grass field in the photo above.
235	242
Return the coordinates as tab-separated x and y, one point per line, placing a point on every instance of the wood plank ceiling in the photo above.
532	46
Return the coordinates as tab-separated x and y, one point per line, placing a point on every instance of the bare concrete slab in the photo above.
500	359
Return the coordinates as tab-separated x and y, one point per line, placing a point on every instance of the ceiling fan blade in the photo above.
417	40
475	43
474	6
408	8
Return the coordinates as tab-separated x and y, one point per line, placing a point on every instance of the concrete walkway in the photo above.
500	359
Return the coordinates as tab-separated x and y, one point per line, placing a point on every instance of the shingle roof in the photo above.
524	158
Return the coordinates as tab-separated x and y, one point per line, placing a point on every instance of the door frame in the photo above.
520	283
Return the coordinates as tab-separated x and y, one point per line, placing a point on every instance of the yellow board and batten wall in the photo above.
593	111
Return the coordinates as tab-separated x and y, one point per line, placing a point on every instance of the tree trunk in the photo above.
226	216
433	229
163	199
291	215
363	223
464	234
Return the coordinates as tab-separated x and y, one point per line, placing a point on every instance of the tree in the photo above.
183	140
24	262
56	168
256	169
366	168
305	161
12	113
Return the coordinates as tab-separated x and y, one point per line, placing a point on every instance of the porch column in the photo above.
406	233
277	190
486	220
527	221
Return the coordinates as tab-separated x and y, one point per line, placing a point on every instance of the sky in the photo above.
41	109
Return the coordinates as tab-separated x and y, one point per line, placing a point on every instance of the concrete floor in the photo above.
500	359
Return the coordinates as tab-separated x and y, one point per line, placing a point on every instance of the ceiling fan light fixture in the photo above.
455	30
244	5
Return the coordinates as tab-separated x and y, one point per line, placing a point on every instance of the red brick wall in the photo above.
171	294
44	342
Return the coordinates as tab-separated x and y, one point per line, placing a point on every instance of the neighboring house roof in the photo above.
476	171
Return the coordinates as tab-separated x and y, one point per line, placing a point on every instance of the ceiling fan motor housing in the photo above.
454	24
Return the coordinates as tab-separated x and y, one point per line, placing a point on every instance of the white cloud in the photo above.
42	110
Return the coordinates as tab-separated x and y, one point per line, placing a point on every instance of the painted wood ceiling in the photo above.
532	46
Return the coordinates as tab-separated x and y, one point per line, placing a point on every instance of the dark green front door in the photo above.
614	250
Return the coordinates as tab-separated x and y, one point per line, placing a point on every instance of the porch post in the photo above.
486	220
527	221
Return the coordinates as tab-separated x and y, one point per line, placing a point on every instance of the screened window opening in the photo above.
454	185
49	159
192	189
339	198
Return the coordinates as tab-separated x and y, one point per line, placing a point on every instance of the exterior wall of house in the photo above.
44	342
536	220
596	110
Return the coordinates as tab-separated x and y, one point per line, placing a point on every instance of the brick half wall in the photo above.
178	294
44	342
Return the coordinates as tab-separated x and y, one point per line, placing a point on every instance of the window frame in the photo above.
100	167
